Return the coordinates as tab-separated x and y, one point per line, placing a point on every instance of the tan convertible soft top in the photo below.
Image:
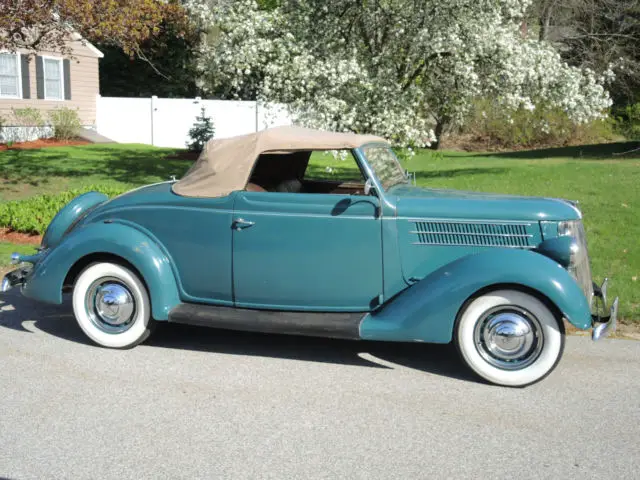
225	165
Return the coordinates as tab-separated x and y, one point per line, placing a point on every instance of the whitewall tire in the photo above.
509	338
111	305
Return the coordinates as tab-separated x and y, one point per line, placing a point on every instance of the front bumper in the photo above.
15	278
605	317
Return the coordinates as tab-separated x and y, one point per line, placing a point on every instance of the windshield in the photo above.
386	165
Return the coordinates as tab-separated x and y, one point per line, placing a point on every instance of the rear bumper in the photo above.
15	278
605	316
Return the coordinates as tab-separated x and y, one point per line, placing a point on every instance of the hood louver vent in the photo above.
472	234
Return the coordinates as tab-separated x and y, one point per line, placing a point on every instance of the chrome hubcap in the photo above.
110	305
509	337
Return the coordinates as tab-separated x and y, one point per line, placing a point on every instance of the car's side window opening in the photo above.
325	172
334	165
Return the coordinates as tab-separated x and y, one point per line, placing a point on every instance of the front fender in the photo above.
427	311
123	240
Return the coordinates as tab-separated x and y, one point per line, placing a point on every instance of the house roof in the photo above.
77	37
225	165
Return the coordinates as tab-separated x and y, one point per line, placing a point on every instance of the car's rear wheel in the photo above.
111	305
510	338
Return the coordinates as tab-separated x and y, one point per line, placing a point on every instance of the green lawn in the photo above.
6	249
28	172
607	186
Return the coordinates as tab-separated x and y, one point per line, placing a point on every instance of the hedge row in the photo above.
34	214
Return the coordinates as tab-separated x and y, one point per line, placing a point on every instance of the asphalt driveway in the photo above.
199	403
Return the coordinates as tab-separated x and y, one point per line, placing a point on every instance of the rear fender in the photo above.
119	239
69	214
427	311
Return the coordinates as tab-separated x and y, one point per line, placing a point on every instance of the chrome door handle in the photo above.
240	223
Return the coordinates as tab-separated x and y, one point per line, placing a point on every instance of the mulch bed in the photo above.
10	236
43	143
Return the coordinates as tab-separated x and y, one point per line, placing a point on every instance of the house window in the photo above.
53	79
9	75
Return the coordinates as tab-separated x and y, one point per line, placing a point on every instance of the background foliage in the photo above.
65	122
40	25
597	34
395	68
628	121
490	127
167	64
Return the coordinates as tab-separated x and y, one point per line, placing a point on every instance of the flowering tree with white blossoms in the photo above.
402	69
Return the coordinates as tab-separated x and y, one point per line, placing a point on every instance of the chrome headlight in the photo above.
579	266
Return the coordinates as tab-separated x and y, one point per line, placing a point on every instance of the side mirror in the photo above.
368	187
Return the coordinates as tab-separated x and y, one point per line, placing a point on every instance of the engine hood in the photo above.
435	203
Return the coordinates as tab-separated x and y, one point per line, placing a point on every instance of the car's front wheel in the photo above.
509	338
111	305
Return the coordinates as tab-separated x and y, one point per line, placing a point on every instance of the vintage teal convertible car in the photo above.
257	237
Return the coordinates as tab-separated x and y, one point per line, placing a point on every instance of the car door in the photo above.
301	251
196	234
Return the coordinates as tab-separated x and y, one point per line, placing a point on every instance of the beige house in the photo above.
49	80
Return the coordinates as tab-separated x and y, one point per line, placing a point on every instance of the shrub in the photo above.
202	131
628	121
34	214
31	120
497	127
65	122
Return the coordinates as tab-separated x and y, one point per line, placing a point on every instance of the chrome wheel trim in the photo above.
509	337
110	305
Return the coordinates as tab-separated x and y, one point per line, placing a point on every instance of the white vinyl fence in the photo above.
165	122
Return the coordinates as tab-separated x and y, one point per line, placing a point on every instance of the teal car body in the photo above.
407	258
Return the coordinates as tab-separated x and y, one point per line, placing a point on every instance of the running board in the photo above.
316	324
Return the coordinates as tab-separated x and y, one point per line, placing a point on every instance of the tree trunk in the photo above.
440	124
545	21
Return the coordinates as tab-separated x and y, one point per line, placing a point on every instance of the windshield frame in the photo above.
371	170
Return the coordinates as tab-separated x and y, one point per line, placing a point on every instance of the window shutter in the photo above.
66	67
40	77
24	68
